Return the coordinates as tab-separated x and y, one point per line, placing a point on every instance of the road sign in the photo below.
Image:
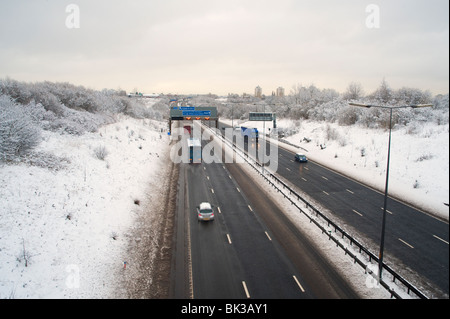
177	113
190	113
260	116
196	113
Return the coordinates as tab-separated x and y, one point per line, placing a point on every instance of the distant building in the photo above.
151	96
139	94
258	92
280	91
135	94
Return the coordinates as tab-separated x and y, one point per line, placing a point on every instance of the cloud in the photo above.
222	46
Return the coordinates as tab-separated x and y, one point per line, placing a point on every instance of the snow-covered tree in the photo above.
354	92
18	133
410	96
384	92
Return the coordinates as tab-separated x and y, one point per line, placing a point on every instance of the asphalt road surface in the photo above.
238	256
250	250
414	239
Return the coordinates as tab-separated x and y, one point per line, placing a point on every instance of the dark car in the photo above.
300	158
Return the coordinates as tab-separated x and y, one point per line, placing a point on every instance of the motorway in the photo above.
413	240
250	250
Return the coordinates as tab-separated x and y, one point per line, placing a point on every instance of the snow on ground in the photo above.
72	224
419	166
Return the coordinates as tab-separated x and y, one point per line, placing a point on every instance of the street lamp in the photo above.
390	108
264	138
232	116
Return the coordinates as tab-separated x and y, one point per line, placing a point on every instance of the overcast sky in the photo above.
202	46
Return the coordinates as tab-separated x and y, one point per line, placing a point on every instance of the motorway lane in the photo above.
267	271
233	256
320	277
413	239
215	269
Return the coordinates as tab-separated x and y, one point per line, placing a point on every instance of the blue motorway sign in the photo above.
178	112
196	113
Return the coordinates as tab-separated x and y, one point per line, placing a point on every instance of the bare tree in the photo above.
25	255
384	93
354	92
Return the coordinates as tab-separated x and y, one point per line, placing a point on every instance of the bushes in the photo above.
18	134
101	152
59	98
28	108
349	116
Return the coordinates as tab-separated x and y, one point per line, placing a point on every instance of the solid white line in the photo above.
349	191
355	211
268	236
229	239
406	243
440	239
246	290
298	283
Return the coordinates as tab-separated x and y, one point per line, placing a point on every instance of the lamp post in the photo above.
264	138
383	224
232	116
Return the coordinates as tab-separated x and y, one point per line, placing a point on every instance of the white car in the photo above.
205	212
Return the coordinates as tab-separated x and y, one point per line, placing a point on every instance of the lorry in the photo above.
195	151
249	133
188	129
